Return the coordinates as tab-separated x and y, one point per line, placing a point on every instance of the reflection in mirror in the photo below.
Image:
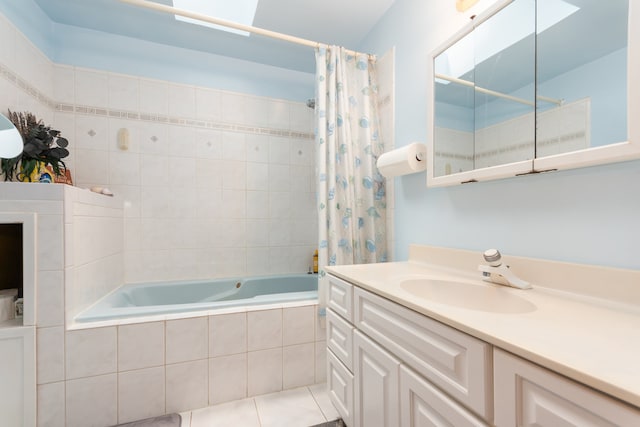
485	92
10	140
581	60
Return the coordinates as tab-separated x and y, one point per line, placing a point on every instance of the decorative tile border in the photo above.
14	78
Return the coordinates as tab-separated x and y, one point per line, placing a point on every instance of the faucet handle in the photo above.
493	257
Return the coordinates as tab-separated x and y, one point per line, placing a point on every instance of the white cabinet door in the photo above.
457	363
528	395
340	385
423	405
17	376
376	374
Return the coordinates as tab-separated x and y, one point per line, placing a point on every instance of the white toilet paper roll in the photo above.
408	159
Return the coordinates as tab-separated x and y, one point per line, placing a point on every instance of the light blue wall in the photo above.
80	47
589	215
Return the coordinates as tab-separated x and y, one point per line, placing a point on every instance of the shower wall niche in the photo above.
11	257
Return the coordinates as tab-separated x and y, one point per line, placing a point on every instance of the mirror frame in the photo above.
611	153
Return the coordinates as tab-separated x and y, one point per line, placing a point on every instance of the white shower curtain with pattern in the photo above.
350	190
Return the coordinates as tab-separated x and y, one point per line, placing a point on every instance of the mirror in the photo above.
484	94
530	86
585	70
10	140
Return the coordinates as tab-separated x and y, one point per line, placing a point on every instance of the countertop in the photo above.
591	340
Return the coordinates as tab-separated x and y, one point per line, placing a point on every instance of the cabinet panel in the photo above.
340	386
340	338
423	405
452	360
376	388
340	297
17	376
528	395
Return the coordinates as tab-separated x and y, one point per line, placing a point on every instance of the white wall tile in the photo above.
187	386
124	92
278	114
182	141
321	361
279	150
208	104
153	138
257	204
51	405
92	167
90	352
208	144
64	84
257	148
141	394
187	339
50	360
154	97
140	346
257	232
124	168
279	178
8	47
227	378
182	100
234	175
227	334
298	363
298	325
258	261
93	400
234	146
257	176
50	298
279	204
258	109
91	88
50	232
233	107
264	373
264	329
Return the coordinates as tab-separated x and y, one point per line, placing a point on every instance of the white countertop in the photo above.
591	340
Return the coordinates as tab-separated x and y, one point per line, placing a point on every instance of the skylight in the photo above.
239	11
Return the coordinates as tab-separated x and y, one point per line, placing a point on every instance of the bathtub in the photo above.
135	300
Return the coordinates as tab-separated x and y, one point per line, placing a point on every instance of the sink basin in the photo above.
471	296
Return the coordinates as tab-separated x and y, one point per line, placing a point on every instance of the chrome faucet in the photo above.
498	273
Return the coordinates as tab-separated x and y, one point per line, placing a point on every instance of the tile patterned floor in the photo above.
300	407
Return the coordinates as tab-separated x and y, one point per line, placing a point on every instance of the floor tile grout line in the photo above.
255	404
313	396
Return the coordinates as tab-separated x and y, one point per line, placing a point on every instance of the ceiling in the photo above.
345	23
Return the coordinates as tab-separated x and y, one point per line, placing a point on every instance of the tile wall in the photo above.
129	372
215	183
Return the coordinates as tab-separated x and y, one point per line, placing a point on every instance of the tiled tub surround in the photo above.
215	183
127	372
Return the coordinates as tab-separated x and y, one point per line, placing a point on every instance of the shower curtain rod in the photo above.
217	21
498	94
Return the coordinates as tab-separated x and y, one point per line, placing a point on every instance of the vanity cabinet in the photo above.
529	395
402	367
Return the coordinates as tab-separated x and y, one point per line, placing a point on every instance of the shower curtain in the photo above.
350	190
